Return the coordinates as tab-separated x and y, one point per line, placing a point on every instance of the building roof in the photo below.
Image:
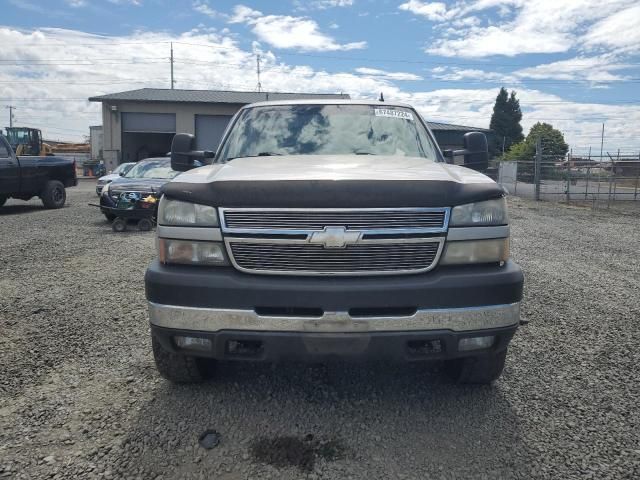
233	97
208	96
455	128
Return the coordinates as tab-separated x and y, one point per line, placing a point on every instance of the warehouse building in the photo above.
139	124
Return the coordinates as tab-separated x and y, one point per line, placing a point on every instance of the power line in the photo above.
491	64
47	127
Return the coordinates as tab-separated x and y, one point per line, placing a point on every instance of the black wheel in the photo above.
53	195
119	225
481	369
179	368
3	201
109	216
145	224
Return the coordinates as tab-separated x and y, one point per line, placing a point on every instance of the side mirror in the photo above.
183	155
476	151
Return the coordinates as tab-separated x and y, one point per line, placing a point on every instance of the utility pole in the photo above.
172	80
11	109
258	72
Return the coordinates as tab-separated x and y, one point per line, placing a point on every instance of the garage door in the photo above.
209	130
149	122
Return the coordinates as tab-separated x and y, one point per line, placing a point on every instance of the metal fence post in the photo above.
635	192
613	172
537	167
586	190
615	177
569	176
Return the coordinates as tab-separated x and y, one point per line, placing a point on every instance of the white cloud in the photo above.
203	7
434	11
322	4
374	72
474	74
284	31
537	26
140	60
620	31
77	3
242	14
28	6
597	72
137	3
594	70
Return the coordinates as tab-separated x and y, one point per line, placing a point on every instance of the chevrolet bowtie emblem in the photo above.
335	237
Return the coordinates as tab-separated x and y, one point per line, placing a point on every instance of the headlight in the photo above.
476	251
189	252
178	213
489	212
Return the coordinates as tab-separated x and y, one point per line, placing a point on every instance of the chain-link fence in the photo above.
605	178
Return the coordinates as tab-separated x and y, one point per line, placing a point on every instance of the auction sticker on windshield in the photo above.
387	112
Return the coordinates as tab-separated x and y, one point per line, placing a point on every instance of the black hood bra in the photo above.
332	193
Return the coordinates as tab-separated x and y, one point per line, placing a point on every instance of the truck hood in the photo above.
123	184
332	181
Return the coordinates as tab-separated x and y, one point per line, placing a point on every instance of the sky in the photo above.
573	63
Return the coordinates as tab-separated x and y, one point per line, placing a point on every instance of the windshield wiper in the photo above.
362	152
261	154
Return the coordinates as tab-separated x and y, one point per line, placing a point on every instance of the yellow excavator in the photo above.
27	141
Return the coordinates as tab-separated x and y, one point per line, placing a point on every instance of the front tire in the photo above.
53	195
178	368
482	369
119	225
145	225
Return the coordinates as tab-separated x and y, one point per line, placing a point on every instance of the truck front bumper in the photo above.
233	315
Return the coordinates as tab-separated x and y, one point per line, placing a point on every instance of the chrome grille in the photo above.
372	257
426	220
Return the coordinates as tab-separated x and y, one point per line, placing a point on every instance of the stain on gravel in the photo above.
296	452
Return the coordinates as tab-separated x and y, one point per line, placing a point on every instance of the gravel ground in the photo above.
80	397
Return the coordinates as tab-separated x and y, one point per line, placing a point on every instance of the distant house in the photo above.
450	136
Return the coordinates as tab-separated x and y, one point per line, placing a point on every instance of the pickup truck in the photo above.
25	177
332	229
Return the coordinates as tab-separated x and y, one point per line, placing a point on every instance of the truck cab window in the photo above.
4	153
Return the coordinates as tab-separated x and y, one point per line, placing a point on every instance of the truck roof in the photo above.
329	102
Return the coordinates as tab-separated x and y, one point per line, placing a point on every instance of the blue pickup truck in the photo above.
26	177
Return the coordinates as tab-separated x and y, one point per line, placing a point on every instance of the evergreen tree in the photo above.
505	122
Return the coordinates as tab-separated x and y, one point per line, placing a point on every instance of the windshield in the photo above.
328	130
17	136
152	169
123	168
